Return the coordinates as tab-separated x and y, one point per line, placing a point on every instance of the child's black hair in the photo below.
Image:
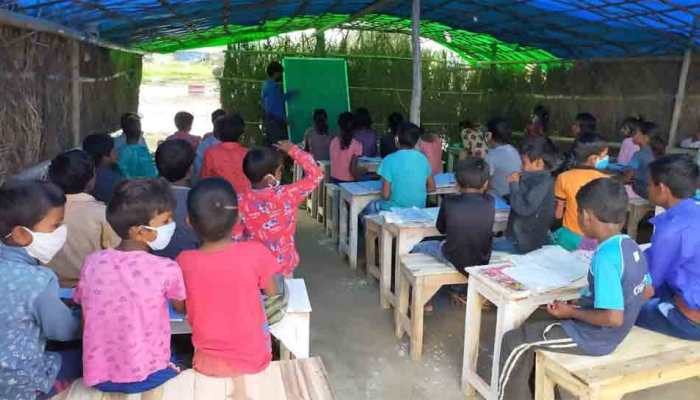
408	135
677	171
132	129
541	148
230	127
259	162
26	203
216	114
394	121
99	146
648	128
542	114
472	173
658	146
632	124
174	159
501	131
363	119
72	171
213	208
125	117
605	198
183	120
136	202
321	121
587	145
346	123
274	67
586	122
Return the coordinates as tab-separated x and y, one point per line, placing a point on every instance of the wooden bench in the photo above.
331	205
373	230
283	380
423	275
643	360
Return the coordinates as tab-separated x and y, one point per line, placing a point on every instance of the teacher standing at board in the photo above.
273	98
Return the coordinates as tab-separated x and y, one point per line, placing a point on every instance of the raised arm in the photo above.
313	173
527	202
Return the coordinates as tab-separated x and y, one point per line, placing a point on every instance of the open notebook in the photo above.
549	268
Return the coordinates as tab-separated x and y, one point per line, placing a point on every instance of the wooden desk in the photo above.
406	236
283	380
355	196
513	308
638	208
293	330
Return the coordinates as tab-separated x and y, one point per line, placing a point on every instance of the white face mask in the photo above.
44	246
163	235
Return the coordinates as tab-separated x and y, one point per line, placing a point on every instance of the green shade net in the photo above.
472	47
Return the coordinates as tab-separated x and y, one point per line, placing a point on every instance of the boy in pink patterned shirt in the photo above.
269	211
124	293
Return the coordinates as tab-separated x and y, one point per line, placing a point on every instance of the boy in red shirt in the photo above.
226	158
223	280
269	211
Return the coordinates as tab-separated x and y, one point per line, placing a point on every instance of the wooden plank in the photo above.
289	380
75	93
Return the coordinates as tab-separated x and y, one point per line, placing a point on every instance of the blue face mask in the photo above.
603	163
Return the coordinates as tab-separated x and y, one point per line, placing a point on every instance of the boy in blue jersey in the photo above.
406	175
674	255
618	286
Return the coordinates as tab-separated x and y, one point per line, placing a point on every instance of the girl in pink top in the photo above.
344	152
124	293
628	148
431	145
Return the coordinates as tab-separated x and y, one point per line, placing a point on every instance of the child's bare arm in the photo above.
431	184
273	285
598	317
179	306
559	212
386	189
648	292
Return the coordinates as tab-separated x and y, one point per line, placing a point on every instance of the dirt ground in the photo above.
355	337
158	104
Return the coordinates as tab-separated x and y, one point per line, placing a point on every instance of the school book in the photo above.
549	268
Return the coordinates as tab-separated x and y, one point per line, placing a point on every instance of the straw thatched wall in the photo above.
610	89
36	96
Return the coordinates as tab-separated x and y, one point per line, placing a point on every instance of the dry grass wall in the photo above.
36	96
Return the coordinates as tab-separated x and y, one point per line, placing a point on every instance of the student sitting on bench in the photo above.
466	219
674	255
617	287
229	330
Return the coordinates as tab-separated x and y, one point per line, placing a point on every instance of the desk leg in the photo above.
304	336
472	332
385	266
509	316
343	225
352	250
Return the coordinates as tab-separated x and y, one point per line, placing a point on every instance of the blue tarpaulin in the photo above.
570	29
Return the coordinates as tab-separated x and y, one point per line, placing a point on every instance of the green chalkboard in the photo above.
315	83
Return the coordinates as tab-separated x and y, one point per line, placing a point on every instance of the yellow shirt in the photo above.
565	189
88	231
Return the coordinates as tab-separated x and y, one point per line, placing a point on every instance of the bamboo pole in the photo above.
680	99
75	92
416	95
36	24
